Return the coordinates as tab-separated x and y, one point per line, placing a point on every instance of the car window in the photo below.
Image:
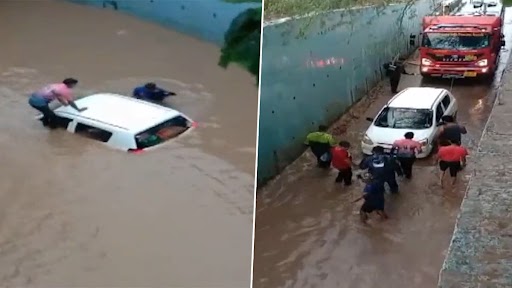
93	132
162	132
446	101
439	112
63	122
404	118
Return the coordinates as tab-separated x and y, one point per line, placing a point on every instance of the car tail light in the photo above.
194	124
135	151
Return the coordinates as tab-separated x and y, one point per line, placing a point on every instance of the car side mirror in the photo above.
369	119
503	43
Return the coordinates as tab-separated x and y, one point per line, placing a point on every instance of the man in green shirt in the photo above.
321	143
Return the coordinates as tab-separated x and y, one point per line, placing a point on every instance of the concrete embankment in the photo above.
480	253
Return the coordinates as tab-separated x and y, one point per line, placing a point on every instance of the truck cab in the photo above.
466	44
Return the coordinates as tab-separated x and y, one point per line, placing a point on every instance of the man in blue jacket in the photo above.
151	92
382	167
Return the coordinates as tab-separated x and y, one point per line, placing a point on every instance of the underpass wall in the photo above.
314	68
205	19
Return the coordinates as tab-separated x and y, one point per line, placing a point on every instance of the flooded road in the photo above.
308	232
74	212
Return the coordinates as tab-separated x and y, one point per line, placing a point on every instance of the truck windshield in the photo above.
456	41
404	118
162	132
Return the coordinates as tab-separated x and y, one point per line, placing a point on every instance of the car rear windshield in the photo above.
162	132
404	118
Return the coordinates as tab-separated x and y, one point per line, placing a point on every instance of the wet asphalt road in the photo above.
308	232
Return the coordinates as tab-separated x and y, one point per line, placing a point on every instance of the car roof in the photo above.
416	98
119	111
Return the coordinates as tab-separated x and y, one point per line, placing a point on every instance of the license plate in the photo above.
452	76
387	150
469	74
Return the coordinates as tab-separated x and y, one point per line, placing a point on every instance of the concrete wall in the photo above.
313	79
205	19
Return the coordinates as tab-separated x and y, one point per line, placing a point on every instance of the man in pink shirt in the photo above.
41	99
406	150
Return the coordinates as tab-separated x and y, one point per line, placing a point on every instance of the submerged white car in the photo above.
418	110
123	122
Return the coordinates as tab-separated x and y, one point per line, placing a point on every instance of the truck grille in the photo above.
455	58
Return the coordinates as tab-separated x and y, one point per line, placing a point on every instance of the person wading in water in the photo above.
406	151
321	143
450	130
41	99
382	167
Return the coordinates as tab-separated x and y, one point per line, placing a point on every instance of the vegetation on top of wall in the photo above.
275	9
327	22
242	40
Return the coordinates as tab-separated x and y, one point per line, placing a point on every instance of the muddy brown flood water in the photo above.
76	213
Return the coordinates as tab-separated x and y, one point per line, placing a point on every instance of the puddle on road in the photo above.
307	228
76	213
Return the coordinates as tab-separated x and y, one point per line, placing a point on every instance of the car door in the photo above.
447	103
438	114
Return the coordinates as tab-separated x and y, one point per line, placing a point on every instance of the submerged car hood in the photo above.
382	135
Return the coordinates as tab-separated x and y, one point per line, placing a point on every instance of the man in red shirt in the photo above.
342	160
406	150
453	157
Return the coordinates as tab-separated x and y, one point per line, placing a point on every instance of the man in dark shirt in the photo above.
451	131
382	167
373	195
151	92
394	71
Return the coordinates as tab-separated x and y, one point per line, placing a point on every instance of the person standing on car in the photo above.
382	168
394	71
406	150
450	130
321	143
41	99
151	92
342	161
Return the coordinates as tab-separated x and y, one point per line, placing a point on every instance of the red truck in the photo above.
460	46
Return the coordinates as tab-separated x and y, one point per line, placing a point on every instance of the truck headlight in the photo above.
424	143
367	140
426	62
481	63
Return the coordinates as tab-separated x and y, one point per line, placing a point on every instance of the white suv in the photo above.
418	110
123	122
